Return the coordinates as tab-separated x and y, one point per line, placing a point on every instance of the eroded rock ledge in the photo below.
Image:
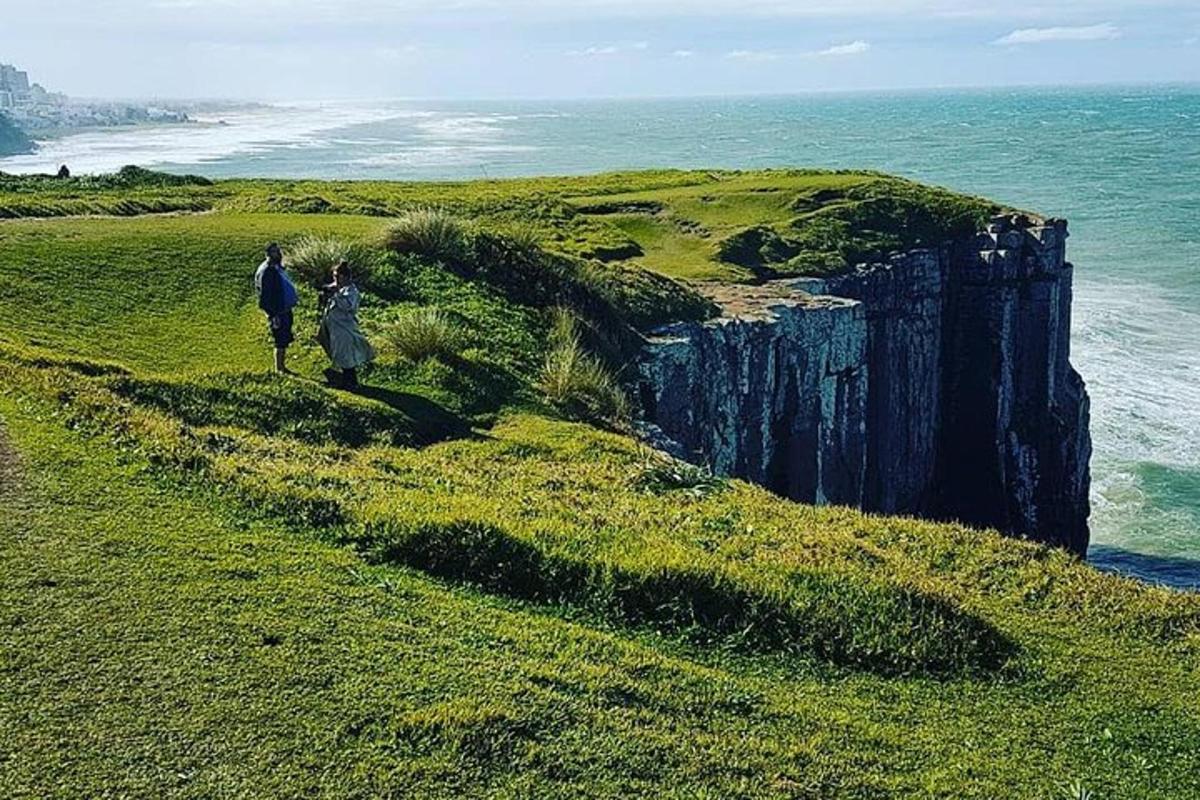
937	384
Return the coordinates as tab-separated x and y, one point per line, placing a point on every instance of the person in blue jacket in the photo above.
277	297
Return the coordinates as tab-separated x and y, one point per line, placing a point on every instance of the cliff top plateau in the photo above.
468	578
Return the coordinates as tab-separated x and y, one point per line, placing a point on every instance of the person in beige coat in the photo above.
344	343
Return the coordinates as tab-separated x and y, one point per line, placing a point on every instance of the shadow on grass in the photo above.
472	390
433	423
297	407
875	626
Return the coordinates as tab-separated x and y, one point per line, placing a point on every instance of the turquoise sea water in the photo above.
1122	164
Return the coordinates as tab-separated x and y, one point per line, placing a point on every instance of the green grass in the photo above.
732	200
668	250
130	192
575	381
274	406
424	333
429	232
818	222
217	582
778	223
159	294
192	609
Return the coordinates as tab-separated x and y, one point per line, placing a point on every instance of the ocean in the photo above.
1121	163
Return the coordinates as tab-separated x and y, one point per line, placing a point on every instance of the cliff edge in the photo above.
13	140
935	383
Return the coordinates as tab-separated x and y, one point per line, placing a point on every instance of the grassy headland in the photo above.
13	140
217	582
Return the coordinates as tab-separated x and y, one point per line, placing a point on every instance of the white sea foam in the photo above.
245	133
1145	386
1145	389
438	155
264	137
456	127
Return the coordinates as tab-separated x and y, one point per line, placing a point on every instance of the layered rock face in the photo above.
936	384
775	393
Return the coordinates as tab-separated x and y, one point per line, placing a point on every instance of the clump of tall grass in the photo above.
313	258
1076	791
523	236
575	381
429	232
659	474
424	333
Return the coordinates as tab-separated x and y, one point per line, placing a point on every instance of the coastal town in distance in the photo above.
35	109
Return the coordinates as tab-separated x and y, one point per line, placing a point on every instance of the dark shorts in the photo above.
281	328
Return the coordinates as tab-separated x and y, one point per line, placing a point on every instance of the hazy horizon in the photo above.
881	90
293	50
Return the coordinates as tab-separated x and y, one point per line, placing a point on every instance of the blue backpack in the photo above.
290	296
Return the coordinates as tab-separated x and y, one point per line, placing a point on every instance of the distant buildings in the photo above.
17	93
33	108
14	86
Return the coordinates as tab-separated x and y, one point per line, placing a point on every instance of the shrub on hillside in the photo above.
313	258
575	381
426	333
525	275
658	474
523	236
429	232
534	277
131	176
303	204
645	299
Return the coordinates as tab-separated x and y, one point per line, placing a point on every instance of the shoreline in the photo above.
58	134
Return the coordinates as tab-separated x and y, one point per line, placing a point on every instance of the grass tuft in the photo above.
425	333
523	236
575	381
1077	791
659	474
312	258
429	232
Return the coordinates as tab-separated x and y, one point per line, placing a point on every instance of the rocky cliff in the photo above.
13	140
937	383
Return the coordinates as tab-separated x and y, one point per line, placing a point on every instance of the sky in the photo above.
472	49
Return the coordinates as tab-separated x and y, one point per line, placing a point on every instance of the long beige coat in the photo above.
348	348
